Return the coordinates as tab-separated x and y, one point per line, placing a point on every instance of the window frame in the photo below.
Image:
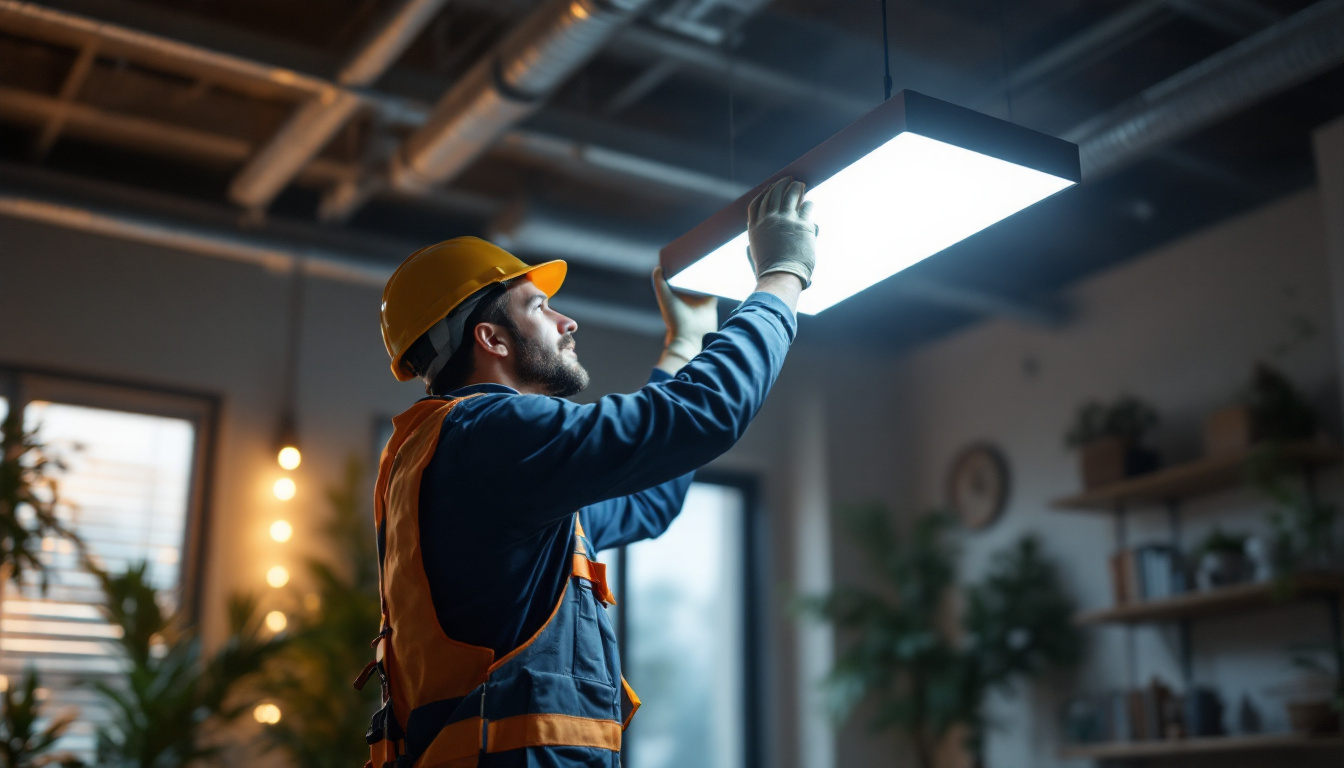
22	384
753	650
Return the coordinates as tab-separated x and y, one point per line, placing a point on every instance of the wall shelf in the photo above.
1198	746
1192	478
1240	598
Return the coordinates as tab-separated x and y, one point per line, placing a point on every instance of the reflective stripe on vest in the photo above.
456	701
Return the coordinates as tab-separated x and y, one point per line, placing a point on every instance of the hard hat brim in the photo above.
547	276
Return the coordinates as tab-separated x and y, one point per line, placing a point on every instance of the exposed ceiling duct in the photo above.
591	161
314	123
1306	44
528	229
506	85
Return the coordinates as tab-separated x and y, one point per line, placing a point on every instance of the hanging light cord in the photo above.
292	342
886	55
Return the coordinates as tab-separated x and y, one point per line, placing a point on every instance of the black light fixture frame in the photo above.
905	111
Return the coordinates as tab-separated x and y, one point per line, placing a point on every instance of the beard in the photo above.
547	368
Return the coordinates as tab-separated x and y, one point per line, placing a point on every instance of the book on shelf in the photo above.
1148	572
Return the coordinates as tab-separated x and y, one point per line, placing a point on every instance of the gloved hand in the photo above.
780	229
688	319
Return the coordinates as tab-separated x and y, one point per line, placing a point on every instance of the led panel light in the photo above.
902	183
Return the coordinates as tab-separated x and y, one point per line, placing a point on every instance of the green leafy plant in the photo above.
1278	411
904	655
29	500
1322	660
1128	418
1304	536
1221	542
22	743
324	716
171	690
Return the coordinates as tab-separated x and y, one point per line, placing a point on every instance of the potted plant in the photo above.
171	691
927	672
1222	560
1319	707
1271	409
1110	438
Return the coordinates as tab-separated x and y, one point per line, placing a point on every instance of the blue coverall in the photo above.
498	497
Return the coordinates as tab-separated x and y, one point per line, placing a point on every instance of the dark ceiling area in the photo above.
364	128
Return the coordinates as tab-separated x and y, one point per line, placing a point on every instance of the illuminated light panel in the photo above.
891	193
281	531
284	489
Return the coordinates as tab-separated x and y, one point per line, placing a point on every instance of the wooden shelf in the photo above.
1199	746
1189	479
1236	599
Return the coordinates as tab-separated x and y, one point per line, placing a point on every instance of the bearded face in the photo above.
552	369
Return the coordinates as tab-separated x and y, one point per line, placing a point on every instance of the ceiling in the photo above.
192	113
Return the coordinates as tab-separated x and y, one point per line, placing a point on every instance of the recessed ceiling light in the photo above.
898	185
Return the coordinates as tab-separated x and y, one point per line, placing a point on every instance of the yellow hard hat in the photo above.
431	282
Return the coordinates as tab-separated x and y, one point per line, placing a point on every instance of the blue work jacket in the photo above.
498	497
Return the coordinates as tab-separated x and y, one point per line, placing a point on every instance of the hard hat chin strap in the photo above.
446	335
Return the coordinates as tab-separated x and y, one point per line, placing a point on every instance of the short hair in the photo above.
492	308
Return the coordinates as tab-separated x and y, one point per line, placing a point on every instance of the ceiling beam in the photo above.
312	125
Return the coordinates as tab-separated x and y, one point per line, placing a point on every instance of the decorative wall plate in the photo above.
977	485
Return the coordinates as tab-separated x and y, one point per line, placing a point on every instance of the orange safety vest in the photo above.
447	703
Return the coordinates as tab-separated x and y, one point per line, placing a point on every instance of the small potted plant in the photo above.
1223	560
1271	409
1110	438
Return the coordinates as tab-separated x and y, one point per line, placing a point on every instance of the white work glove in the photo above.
688	318
783	237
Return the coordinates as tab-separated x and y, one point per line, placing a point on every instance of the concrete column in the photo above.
1329	144
814	648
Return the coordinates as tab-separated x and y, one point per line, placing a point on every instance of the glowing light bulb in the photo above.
281	531
285	489
278	576
266	714
276	621
289	457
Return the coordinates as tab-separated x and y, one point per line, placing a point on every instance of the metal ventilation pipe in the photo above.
1269	62
178	236
311	126
359	269
528	229
506	85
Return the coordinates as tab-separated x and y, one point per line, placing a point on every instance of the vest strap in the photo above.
594	573
629	703
552	731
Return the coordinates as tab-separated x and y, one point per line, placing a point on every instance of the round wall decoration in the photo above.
977	485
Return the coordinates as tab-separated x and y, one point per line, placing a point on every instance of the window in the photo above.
685	620
132	485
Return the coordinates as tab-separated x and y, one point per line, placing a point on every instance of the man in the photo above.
495	494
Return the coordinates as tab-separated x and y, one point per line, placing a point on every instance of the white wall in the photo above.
1180	327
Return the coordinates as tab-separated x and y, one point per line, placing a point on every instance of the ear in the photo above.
492	339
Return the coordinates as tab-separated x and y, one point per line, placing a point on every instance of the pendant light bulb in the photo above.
284	489
289	457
